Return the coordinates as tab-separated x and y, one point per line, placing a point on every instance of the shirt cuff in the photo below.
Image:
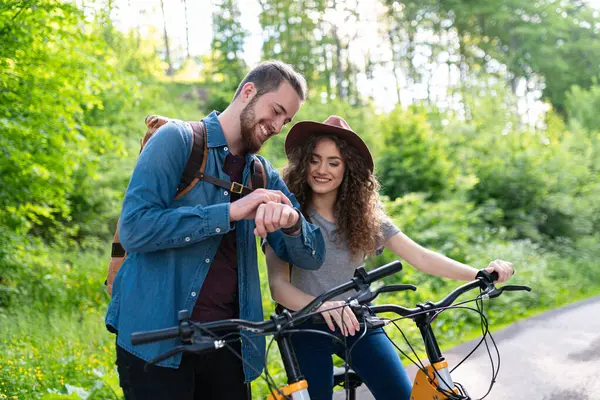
217	219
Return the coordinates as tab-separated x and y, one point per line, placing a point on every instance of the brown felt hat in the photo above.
333	125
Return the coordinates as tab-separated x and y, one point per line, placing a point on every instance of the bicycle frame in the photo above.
436	374
297	386
435	377
425	384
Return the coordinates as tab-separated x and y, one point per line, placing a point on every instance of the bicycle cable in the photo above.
267	378
485	332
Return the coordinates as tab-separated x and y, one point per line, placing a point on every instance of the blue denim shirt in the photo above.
170	243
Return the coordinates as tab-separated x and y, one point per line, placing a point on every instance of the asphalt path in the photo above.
552	356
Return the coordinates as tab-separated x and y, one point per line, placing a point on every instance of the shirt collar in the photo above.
216	137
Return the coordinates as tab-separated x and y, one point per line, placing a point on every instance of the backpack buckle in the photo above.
236	188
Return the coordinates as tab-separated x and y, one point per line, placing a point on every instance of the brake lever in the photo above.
395	288
497	291
373	322
195	348
164	356
366	295
515	288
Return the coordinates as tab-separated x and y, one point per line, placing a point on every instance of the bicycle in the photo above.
433	382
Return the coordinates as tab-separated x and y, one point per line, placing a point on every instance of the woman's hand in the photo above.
342	315
504	269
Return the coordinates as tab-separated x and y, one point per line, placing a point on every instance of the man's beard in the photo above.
248	127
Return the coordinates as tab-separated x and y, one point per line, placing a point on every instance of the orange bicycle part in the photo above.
288	390
425	388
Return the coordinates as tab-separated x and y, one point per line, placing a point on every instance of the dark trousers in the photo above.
215	375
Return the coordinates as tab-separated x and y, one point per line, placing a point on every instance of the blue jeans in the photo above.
374	359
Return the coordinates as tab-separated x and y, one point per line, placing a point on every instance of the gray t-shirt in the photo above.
339	265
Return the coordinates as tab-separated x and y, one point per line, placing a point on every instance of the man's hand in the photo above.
504	269
246	207
273	216
343	317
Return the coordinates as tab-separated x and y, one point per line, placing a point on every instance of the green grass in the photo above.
57	355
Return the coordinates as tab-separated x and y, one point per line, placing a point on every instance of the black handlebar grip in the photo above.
489	276
154	336
383	271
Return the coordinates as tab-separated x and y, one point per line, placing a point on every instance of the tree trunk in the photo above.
187	30
170	68
393	34
339	71
463	75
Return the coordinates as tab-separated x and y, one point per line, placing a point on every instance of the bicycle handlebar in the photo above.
360	281
484	280
185	329
154	336
382	272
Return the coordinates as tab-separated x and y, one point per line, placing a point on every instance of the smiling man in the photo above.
198	252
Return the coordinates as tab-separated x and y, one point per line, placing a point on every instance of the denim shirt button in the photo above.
207	260
313	252
187	239
225	148
193	294
225	193
218	230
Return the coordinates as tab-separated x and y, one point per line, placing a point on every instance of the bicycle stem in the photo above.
432	348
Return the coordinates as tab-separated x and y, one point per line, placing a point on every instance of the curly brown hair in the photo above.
357	207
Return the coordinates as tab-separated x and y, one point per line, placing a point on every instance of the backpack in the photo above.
192	174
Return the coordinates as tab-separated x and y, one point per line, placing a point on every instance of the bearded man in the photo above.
198	252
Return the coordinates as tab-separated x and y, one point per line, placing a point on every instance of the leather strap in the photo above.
258	178
197	160
233	187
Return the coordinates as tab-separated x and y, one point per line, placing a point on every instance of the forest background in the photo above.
482	116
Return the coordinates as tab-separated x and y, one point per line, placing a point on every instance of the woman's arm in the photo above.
292	298
282	291
437	264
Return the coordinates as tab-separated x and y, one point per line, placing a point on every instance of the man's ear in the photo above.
248	92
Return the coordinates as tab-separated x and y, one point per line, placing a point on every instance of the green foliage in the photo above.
413	158
63	86
554	39
582	107
44	278
64	355
540	183
228	42
448	226
224	68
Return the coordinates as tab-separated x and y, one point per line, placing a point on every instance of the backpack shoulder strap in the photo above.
258	176
197	160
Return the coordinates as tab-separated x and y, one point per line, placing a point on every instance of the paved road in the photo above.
553	356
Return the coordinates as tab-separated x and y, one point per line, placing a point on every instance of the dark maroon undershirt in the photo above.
218	297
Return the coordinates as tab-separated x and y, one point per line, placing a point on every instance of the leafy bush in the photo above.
542	184
413	158
582	107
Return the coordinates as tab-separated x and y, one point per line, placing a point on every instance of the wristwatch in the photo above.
296	227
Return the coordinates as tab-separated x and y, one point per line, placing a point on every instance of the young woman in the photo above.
330	171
